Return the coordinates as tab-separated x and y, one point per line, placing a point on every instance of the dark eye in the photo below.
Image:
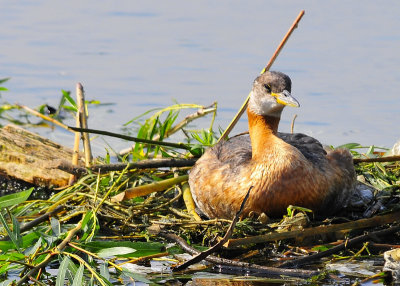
268	88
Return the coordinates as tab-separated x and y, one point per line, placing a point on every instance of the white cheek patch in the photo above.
265	105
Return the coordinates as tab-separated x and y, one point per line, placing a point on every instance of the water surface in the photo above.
343	60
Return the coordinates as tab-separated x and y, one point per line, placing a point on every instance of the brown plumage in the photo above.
284	169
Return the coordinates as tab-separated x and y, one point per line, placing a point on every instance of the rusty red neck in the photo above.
262	129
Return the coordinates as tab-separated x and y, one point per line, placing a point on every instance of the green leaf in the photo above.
67	96
72	271
348	146
4	80
7	282
16	231
12	256
197	150
15	199
142	248
90	225
3	88
115	251
70	108
78	280
62	271
371	151
32	249
136	276
55	226
27	240
6	266
321	248
104	271
10	233
97	102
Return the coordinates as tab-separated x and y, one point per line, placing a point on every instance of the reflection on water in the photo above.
343	60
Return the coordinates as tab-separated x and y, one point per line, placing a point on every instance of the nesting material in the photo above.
27	156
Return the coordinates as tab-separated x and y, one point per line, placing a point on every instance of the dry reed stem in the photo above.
358	224
148	189
80	94
292	124
189	202
75	154
346	244
143	164
380	159
38	114
268	66
242	265
130	138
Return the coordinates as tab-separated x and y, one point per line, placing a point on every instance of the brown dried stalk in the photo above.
358	224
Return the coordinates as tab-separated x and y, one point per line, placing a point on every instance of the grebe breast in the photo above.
237	150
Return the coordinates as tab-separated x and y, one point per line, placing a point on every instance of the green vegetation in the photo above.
91	239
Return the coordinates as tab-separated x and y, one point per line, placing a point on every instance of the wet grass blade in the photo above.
14	199
10	233
78	280
16	230
104	271
62	271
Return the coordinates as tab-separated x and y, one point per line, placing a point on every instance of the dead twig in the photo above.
380	159
342	246
144	164
242	265
47	118
80	95
75	152
292	124
358	224
144	190
217	246
130	138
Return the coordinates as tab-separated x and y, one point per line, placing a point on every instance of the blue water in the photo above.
343	60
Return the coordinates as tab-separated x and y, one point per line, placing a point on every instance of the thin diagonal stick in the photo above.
202	255
267	67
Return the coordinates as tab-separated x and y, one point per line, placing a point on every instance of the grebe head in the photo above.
270	94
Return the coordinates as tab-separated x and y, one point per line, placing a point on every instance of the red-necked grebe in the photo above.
284	169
